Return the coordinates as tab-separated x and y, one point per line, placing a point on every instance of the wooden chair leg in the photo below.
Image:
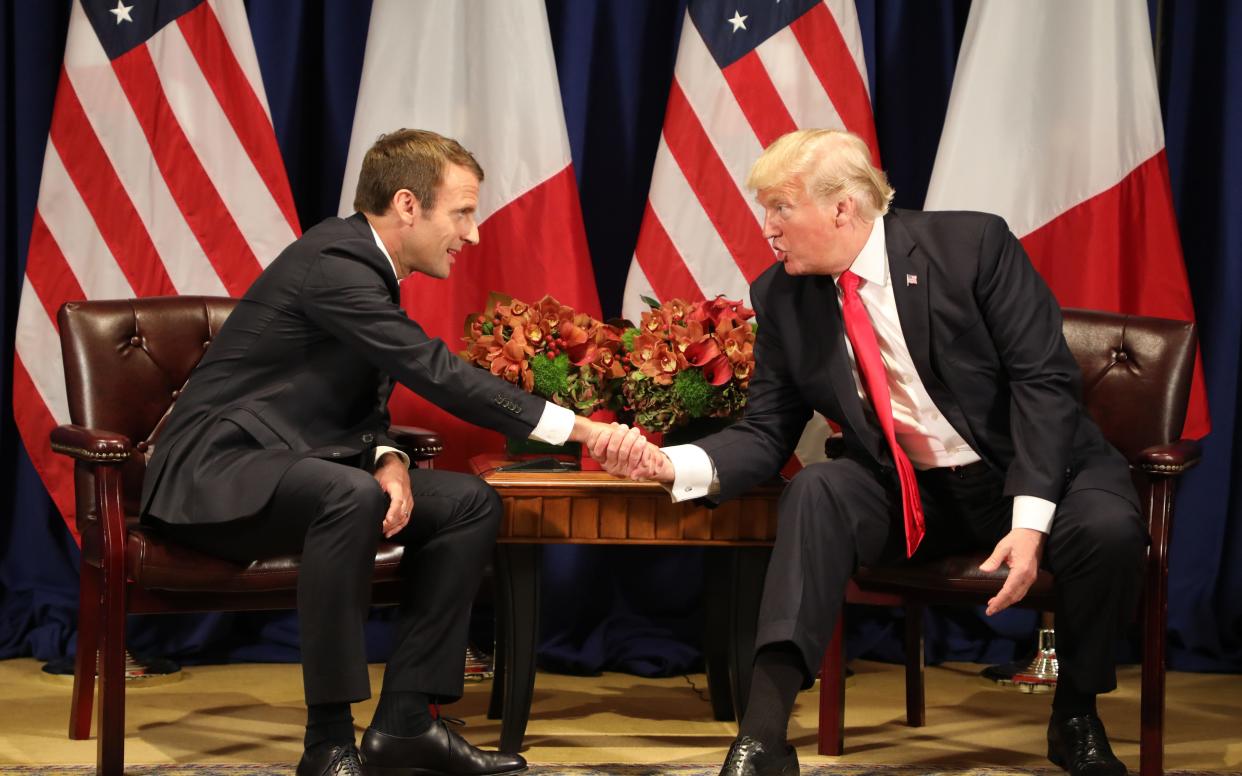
1151	703
111	732
87	658
832	693
916	707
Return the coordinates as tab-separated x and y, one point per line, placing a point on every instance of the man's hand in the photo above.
626	452
394	479
1021	550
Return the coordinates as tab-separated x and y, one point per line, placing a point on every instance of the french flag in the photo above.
1054	124
482	74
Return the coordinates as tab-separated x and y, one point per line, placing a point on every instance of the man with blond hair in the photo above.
277	445
932	342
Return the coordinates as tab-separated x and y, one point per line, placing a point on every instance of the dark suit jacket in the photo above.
985	334
300	369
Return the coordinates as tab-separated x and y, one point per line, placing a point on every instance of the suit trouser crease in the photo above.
837	515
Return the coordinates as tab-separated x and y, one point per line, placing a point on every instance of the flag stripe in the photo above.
38	344
216	146
831	61
76	233
200	202
214	56
661	264
798	88
717	192
712	101
692	233
101	191
111	116
756	95
35	423
48	272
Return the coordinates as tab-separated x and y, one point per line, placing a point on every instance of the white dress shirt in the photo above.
555	423
922	431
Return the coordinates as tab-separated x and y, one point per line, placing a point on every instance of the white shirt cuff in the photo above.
381	450
693	472
1033	512
554	426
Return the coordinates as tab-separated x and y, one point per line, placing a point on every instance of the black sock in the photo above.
403	714
329	723
1070	702
779	674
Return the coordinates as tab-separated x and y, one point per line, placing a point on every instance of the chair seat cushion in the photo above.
158	564
954	576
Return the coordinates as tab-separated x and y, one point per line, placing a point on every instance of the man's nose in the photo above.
472	236
769	229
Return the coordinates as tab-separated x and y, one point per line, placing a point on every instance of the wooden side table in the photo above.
597	508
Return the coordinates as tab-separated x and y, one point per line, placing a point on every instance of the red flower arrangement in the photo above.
684	360
690	360
548	349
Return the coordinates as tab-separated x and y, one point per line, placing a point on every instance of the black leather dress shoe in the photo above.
328	760
1080	746
748	757
437	751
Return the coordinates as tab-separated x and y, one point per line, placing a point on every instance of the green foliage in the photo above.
654	304
551	375
693	392
627	338
488	327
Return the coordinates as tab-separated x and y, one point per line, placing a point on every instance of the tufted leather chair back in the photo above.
126	361
1136	375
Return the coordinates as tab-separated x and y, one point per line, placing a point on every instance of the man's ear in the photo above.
406	205
847	208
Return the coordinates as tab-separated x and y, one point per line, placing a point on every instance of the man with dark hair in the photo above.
277	445
931	340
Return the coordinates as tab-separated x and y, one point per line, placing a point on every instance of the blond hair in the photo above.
826	162
413	159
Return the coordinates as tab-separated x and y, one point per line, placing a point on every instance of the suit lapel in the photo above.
912	290
907	268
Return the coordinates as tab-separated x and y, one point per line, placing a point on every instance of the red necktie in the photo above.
875	378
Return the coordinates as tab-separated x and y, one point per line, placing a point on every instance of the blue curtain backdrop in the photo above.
639	610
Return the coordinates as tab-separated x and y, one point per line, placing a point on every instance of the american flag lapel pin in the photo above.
912	280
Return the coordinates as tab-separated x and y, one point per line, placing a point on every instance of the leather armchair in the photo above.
126	362
1136	384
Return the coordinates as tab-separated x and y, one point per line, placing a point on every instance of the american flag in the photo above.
747	72
161	176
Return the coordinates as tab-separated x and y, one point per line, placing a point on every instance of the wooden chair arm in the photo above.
1172	458
419	443
91	445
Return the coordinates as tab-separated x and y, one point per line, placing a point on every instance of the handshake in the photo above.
622	451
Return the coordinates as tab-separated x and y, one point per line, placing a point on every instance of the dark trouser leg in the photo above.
331	514
1096	551
448	539
831	517
343	508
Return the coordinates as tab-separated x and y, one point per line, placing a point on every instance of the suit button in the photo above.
368	439
336	453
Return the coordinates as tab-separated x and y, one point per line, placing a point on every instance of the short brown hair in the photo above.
412	159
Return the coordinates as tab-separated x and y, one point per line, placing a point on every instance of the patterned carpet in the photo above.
565	770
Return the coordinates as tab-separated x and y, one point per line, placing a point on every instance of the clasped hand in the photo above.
625	452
